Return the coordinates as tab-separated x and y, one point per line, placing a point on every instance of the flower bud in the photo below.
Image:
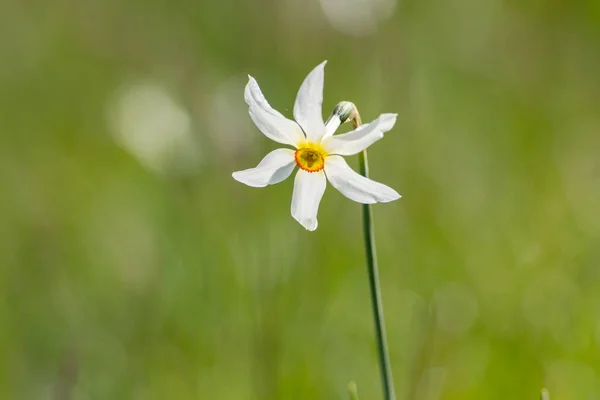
344	111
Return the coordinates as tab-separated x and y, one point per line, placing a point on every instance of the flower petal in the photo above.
309	102
359	139
274	125
342	112
354	186
274	168
308	191
331	126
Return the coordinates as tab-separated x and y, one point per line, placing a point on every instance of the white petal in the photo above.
309	102
274	125
359	139
354	186
274	168
331	126
308	191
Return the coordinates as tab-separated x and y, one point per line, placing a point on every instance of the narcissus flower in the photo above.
316	150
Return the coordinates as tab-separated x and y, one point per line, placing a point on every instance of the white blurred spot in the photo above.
431	384
456	308
231	128
148	123
357	17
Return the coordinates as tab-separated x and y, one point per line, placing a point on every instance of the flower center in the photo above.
310	159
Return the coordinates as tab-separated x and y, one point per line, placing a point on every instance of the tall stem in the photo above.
369	237
346	111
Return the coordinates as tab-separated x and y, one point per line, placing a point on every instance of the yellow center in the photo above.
310	157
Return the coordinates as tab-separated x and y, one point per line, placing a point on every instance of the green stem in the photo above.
369	236
346	111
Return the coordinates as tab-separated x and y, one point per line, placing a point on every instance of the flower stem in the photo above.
369	237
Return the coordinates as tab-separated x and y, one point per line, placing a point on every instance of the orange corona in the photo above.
310	157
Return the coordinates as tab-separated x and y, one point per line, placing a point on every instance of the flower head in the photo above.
316	151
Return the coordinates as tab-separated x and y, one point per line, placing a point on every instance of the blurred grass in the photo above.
149	277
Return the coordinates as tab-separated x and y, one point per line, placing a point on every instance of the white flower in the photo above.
316	151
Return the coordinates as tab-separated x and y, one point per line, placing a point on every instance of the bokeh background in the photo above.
132	266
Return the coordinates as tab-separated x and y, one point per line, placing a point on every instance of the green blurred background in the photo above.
132	266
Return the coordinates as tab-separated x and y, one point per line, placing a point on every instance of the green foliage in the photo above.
132	266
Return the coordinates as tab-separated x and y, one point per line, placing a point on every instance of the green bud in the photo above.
545	394
344	110
353	391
